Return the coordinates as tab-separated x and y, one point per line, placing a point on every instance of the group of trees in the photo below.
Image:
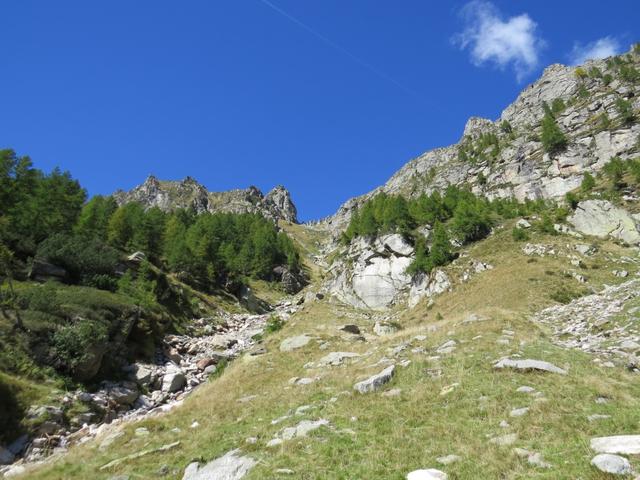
35	205
46	216
456	214
485	147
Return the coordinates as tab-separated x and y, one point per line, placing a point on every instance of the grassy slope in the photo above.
385	437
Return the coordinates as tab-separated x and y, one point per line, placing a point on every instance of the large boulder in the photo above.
173	381
372	273
600	218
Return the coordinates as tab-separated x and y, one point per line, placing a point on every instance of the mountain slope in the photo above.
445	398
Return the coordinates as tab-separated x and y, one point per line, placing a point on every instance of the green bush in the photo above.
274	324
506	127
545	224
628	73
594	72
72	343
43	298
564	294
438	255
557	106
588	183
572	200
580	73
519	234
583	92
614	171
625	111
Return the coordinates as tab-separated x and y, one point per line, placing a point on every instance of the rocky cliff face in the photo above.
501	159
517	165
188	193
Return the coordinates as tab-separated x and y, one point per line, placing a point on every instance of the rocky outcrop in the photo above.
189	194
372	272
600	218
428	285
292	282
519	167
279	202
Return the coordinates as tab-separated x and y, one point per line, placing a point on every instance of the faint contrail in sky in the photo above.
341	49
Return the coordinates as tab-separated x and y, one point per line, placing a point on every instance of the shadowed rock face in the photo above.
188	193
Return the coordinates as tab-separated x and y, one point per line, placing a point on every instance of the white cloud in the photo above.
500	41
601	48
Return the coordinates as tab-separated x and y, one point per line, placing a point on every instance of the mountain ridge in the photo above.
188	193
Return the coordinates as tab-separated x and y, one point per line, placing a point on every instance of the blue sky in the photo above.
327	97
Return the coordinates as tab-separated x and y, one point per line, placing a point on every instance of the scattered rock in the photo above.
519	412
428	474
375	382
231	466
350	328
336	358
528	365
525	389
173	381
624	444
504	440
448	459
534	458
6	457
613	464
596	416
394	392
383	328
293	343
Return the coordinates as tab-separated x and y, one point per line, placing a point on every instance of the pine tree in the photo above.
440	253
553	140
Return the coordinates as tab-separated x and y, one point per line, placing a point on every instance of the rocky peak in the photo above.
476	126
189	193
280	198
